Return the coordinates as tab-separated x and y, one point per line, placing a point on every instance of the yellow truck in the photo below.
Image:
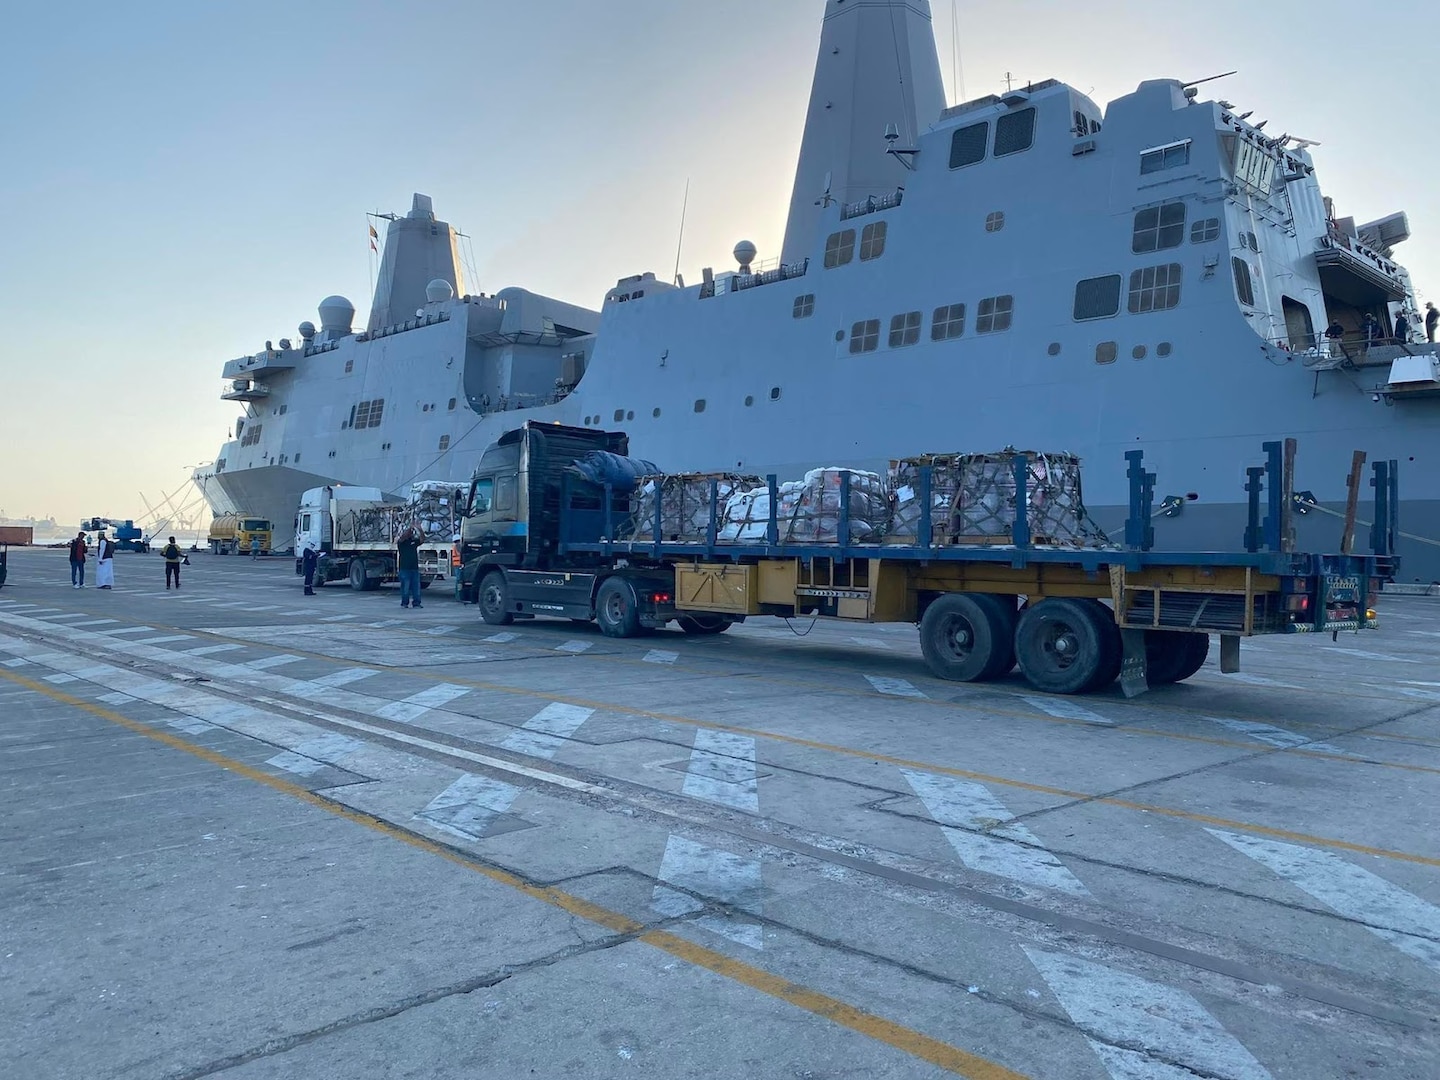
232	534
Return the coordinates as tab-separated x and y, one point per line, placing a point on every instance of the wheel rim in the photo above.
615	608
492	598
1060	645
957	638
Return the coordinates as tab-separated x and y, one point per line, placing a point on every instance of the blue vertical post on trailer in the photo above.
1020	532
711	528
772	527
843	536
1254	484
1394	503
659	515
1274	494
926	526
1382	534
1139	532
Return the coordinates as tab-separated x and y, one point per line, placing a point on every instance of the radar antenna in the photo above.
1211	78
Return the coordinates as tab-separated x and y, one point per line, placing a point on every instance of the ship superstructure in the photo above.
1023	269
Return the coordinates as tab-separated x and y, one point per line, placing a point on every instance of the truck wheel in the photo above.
1173	655
701	625
967	637
358	581
1114	645
617	611
1061	645
494	600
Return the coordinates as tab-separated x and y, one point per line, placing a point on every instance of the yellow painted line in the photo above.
948	1057
925	766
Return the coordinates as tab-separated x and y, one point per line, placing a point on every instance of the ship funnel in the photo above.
877	71
337	317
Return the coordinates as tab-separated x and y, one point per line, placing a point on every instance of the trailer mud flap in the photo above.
1133	677
1229	653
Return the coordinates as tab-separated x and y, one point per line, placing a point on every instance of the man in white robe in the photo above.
105	562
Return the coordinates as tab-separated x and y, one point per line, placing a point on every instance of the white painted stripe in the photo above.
383	623
211	650
159	640
65	615
722	770
1363	655
189	724
337	618
501	638
117	698
61	678
29	609
14	662
312	755
1409	923
969	814
574	646
871	642
438	630
717	875
417	705
893	687
1274	736
38	611
266	662
1259	680
545	733
259	607
468	806
95	622
1066	709
1156	1024
344	676
660	656
127	630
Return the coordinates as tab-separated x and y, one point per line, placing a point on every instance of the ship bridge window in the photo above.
872	241
1204	230
1014	132
368	413
948	322
1158	228
444	442
967	145
1170	156
839	248
1243	287
1097	298
994	314
804	306
1155	288
252	435
865	336
905	329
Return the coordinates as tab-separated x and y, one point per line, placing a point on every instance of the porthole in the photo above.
619	415
1054	349
1138	352
699	405
749	401
1163	349
774	393
655	413
839	335
452	405
629	414
995	221
1106	352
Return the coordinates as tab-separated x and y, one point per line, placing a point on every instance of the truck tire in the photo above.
214	547
1173	655
702	625
494	599
1114	646
1061	645
617	610
968	637
358	580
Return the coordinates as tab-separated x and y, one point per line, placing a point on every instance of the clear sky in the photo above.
182	181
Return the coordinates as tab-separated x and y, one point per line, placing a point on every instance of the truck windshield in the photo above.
255	525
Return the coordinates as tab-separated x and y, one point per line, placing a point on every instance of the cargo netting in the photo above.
808	511
432	508
684	504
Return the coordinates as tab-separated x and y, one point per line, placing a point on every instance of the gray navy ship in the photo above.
1023	269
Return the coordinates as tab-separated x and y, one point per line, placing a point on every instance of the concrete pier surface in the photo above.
253	834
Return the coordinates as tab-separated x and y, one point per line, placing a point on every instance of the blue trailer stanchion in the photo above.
926	526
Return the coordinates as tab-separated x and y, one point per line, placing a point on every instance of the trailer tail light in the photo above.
1297	602
662	597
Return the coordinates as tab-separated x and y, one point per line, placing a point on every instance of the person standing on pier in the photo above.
104	562
308	562
77	561
173	555
254	548
407	548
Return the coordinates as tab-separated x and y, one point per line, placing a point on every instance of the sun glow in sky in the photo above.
183	181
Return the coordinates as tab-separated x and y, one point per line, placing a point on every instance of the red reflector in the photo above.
662	597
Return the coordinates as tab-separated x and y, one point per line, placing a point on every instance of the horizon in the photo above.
191	182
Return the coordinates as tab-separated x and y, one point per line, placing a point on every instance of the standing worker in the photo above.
104	562
254	548
407	546
77	561
309	561
1432	317
173	555
1402	328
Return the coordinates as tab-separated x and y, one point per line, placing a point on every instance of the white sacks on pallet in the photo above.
432	508
808	511
684	504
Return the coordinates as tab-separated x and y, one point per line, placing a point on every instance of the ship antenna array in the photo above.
684	205
1210	78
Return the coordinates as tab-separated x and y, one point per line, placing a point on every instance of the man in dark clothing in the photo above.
173	555
407	547
1370	330
1402	328
77	561
309	561
1432	317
